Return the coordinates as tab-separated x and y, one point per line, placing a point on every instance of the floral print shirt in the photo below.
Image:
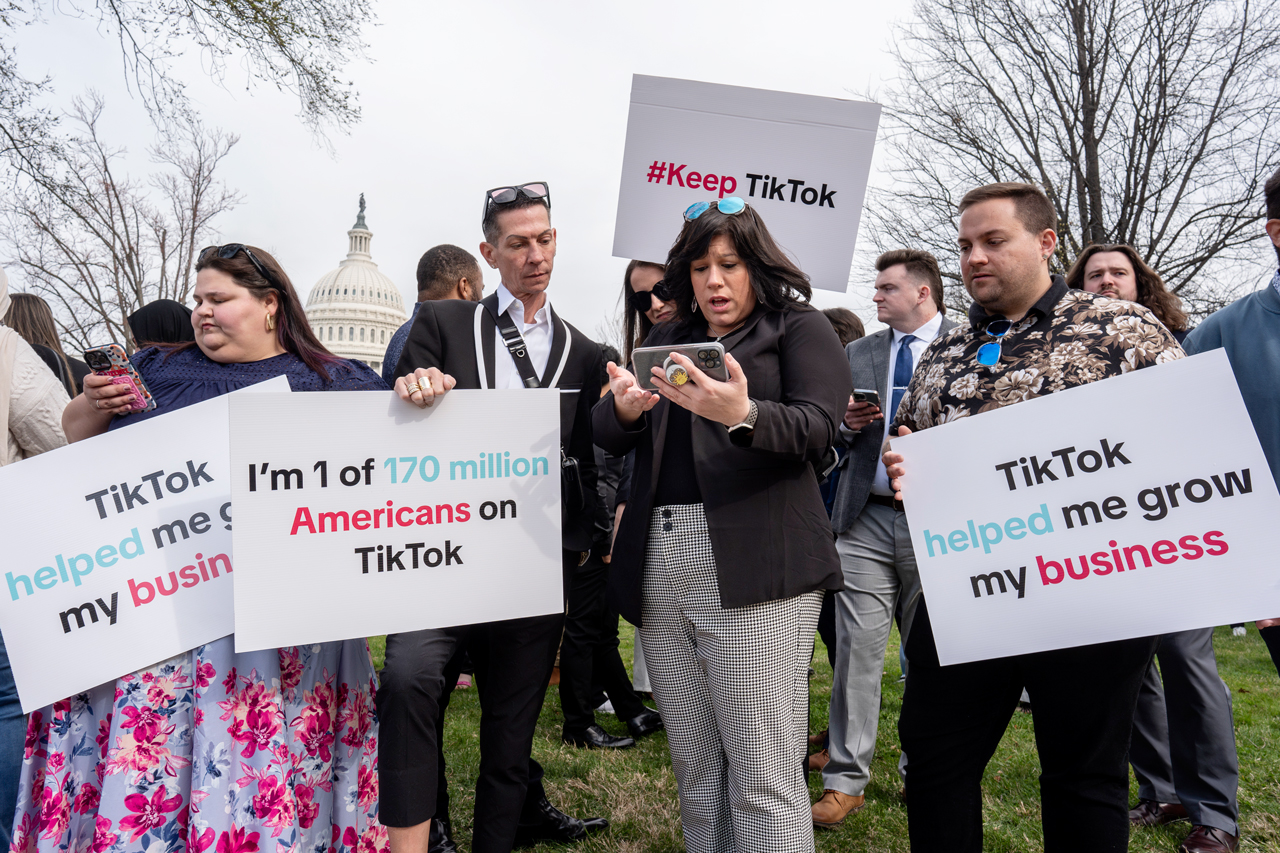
1068	338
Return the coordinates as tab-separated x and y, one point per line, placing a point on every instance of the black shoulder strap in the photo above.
514	343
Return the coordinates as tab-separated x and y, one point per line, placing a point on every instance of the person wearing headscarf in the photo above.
162	321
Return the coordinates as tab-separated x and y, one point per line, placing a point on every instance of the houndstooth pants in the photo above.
732	688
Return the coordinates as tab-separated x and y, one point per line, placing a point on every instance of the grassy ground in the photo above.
636	789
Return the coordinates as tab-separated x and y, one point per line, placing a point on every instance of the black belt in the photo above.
885	500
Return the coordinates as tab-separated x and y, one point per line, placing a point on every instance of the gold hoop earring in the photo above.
271	322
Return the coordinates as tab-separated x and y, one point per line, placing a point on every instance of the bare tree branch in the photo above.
95	244
1149	122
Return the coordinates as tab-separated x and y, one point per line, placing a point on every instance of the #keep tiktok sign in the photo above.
1099	513
359	514
801	161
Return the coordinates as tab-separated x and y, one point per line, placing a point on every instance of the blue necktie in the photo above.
901	376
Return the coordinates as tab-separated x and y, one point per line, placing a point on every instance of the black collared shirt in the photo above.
1068	338
1043	309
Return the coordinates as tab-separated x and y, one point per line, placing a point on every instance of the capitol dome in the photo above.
355	309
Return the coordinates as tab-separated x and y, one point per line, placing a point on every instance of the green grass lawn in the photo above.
636	789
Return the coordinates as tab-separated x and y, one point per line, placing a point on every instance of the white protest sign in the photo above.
118	550
1099	513
801	161
359	514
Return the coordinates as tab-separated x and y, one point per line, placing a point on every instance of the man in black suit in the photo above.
514	657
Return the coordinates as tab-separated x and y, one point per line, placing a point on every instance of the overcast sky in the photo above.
460	97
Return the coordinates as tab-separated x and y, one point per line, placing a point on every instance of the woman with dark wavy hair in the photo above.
1118	271
214	749
725	548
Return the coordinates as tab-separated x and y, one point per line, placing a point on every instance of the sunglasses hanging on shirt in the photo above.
989	353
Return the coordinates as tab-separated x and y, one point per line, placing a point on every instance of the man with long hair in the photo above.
1118	271
1183	748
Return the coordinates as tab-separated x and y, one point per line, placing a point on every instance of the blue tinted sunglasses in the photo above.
730	206
989	354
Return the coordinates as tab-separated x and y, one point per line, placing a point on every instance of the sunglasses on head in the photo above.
989	353
730	206
642	300
505	195
230	250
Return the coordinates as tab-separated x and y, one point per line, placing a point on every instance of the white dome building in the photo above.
355	309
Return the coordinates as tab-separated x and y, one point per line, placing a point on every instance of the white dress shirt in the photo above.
537	340
924	336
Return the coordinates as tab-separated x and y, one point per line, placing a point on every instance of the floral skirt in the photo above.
269	751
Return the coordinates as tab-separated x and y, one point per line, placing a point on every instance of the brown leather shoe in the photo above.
830	811
1209	839
819	739
818	760
1152	813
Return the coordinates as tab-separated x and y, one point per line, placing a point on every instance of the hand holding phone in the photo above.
708	357
863	409
111	363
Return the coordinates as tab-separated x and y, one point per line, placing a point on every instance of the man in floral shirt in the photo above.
1050	338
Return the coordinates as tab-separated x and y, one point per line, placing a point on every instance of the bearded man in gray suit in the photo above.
872	536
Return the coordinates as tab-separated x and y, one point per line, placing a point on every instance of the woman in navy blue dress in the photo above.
212	751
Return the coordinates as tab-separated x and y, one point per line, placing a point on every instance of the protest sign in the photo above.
1134	506
118	551
360	514
801	161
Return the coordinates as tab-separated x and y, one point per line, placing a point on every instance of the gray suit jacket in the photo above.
869	364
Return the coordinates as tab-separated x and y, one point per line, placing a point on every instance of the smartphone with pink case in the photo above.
111	361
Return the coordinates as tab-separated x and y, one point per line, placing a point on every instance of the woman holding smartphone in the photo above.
725	547
213	750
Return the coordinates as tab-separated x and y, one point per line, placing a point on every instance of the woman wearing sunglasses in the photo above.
213	749
725	546
648	301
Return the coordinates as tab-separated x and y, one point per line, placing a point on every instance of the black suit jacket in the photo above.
768	526
443	336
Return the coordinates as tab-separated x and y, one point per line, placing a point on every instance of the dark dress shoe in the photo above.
644	723
551	824
1152	813
1209	839
441	838
594	737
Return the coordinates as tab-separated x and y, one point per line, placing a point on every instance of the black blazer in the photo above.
768	526
443	336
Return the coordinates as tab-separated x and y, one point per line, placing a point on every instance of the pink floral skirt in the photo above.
259	752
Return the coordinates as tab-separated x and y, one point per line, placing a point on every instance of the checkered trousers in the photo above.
732	688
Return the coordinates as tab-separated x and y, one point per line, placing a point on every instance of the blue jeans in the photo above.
13	737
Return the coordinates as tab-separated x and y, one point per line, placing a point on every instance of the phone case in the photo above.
709	357
122	372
